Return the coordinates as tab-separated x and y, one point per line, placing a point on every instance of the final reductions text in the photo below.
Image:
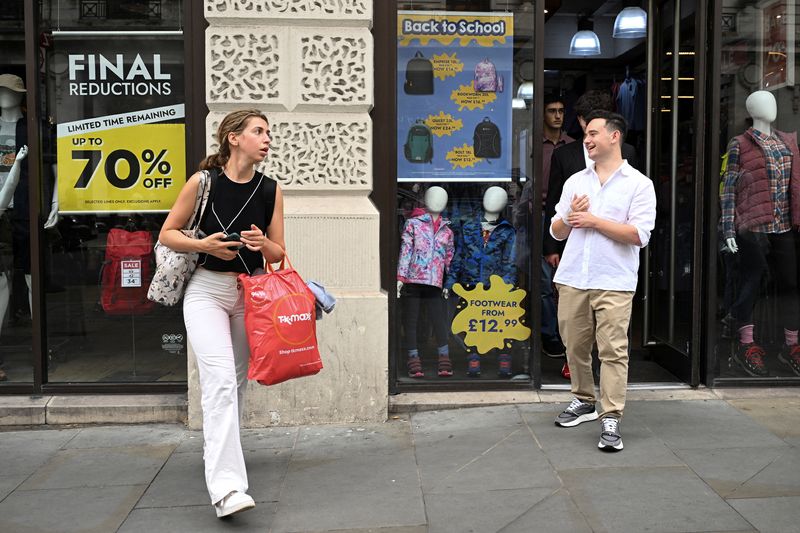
116	76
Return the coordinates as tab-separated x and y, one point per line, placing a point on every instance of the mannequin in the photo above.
13	133
760	207
486	246
425	254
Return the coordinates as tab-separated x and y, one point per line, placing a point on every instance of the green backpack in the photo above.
419	144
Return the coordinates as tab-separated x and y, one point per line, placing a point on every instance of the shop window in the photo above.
463	157
758	311
113	162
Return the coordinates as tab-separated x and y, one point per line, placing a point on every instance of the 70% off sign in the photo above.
124	170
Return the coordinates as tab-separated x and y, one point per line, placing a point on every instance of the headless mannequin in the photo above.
763	109
435	202
494	202
6	195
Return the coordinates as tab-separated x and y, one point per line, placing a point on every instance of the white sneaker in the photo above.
234	502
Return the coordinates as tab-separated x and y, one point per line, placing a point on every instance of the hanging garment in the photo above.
425	252
631	103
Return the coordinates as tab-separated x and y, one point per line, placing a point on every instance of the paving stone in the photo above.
182	480
466	419
337	441
703	424
194	519
22	452
727	469
99	467
576	447
556	513
770	515
779	415
125	436
358	491
469	463
780	478
461	513
252	439
636	499
68	510
9	483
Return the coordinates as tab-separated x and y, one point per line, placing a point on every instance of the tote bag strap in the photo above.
284	261
204	191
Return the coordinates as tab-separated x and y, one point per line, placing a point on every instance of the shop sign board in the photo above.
454	91
121	122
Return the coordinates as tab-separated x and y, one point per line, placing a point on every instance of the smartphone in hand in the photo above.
232	237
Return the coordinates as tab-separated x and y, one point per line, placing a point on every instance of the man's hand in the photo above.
553	260
579	203
582	219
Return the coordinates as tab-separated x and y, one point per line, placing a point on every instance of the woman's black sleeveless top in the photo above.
223	214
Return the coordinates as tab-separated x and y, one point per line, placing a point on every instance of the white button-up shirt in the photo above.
590	259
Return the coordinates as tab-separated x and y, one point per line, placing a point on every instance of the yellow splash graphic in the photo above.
446	66
467	96
442	124
462	157
490	318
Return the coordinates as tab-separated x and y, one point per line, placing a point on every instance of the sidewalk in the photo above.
688	465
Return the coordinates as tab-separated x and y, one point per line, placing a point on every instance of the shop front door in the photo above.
671	314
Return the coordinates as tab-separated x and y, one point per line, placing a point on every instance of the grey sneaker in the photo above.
610	439
577	413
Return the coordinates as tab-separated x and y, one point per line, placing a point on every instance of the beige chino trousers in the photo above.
586	316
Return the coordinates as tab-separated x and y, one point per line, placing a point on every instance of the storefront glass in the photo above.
758	308
464	124
113	147
15	315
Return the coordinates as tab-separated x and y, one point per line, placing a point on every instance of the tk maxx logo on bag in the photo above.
291	318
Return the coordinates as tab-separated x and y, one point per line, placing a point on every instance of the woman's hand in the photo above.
214	245
254	238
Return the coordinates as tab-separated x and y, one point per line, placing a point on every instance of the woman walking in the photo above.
243	224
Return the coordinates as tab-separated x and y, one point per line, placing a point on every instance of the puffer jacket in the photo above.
474	262
425	255
754	205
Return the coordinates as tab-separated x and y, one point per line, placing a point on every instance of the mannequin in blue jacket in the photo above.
485	246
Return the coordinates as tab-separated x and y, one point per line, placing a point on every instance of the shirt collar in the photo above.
760	135
563	139
624	170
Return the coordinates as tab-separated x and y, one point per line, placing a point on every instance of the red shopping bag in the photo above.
281	328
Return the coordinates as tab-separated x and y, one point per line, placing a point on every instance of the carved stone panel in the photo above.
315	151
244	65
335	67
335	10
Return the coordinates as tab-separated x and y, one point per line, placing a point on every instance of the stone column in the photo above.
307	64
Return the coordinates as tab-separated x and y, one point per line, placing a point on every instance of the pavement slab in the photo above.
22	452
195	519
461	513
637	499
99	467
556	513
337	441
126	436
252	439
770	515
84	510
780	415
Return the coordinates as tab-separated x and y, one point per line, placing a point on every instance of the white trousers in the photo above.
213	309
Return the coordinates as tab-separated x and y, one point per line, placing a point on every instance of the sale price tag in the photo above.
131	273
126	169
491	317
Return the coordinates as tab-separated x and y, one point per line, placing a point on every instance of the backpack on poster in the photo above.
419	143
419	75
486	140
486	79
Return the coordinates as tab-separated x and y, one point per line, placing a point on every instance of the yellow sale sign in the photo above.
120	163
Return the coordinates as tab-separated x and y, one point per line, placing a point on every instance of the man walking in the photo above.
606	213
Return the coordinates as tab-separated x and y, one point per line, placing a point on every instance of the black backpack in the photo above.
419	144
486	140
419	75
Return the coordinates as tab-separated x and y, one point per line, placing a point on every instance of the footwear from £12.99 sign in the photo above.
234	502
576	413
610	439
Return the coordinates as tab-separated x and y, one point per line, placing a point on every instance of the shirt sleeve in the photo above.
563	206
406	249
642	213
728	194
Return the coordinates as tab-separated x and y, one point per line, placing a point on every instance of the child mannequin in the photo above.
425	254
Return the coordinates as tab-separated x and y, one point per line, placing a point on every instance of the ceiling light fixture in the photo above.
585	41
631	22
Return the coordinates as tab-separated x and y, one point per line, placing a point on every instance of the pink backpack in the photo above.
486	78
